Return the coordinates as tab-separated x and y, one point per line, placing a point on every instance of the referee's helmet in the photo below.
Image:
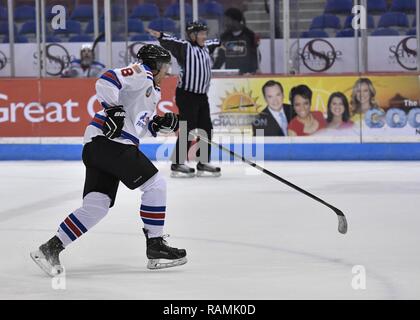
195	26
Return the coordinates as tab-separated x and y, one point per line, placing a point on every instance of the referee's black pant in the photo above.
195	110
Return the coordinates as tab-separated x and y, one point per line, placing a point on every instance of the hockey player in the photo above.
110	153
86	66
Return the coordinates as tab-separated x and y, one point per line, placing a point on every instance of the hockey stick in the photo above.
342	222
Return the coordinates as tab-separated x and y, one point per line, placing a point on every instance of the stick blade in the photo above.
342	222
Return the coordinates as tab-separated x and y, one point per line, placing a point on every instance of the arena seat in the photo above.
82	12
326	21
346	33
28	27
393	19
173	11
314	34
142	37
3	13
407	6
72	27
411	32
18	39
81	38
163	24
135	25
385	32
376	6
210	9
339	6
24	12
53	38
4	27
147	11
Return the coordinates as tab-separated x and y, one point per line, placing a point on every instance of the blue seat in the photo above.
411	32
142	37
339	6
72	27
82	12
173	11
18	39
385	32
90	25
53	38
24	12
326	21
210	9
115	37
81	38
370	22
28	27
135	25
407	6
147	11
4	28
393	19
3	13
414	23
376	6
117	11
163	24
346	33
314	34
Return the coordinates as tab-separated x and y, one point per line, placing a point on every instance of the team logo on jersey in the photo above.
143	120
149	91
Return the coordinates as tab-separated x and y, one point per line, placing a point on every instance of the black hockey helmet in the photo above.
153	56
195	26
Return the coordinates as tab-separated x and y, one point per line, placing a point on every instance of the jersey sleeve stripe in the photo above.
112	77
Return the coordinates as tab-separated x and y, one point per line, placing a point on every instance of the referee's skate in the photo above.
207	170
182	171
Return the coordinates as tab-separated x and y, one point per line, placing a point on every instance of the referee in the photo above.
193	56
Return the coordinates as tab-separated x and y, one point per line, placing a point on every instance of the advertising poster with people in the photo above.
371	108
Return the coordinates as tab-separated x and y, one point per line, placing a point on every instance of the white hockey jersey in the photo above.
133	88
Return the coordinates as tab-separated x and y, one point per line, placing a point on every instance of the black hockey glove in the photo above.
166	124
114	122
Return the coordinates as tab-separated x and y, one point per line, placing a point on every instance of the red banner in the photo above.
56	107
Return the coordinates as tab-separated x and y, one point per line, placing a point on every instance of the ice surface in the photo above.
247	235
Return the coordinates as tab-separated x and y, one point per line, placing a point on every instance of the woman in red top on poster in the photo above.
306	122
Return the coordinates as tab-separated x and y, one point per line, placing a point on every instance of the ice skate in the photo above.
158	250
182	171
47	257
207	170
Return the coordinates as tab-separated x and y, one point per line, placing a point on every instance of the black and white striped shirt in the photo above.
195	62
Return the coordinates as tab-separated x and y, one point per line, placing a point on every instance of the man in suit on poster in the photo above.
274	119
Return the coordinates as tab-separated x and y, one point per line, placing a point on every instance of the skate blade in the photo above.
176	174
155	264
39	258
206	174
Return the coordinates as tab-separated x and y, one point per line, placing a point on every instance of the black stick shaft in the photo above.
271	174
